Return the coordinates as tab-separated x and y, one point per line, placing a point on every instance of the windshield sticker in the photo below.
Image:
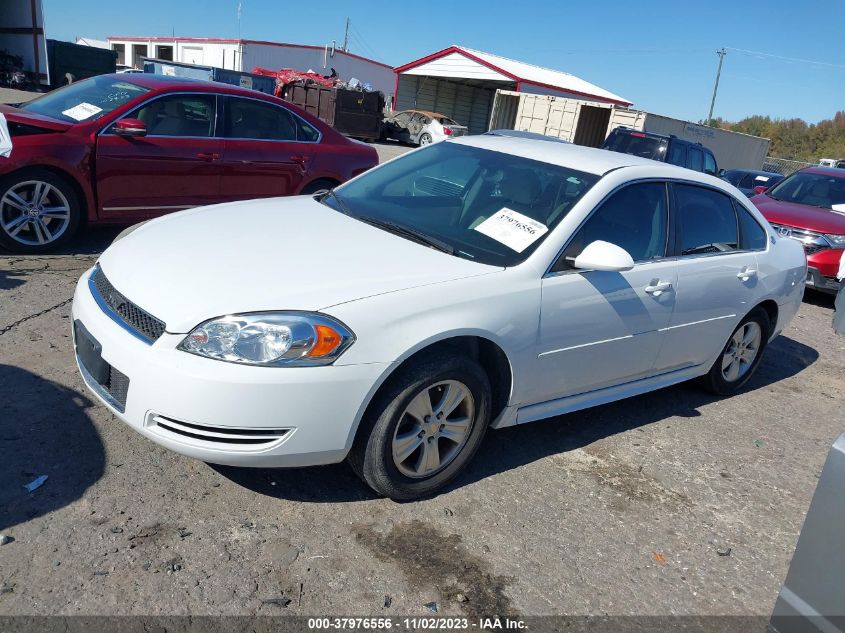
5	137
514	230
838	208
82	111
762	178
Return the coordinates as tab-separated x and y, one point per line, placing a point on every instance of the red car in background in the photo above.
122	148
809	206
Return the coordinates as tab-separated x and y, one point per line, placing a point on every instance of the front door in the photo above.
597	328
175	166
717	277
268	150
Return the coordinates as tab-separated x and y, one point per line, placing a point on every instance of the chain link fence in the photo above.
783	165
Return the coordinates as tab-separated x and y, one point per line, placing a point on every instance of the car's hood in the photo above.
271	254
800	215
16	115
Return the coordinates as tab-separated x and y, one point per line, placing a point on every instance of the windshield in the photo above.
85	100
817	190
637	144
490	207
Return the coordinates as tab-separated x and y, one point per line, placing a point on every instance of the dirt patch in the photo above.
427	556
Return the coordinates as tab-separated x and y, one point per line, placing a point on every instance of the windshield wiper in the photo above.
344	208
412	234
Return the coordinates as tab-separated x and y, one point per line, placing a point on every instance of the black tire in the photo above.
323	184
63	187
371	456
425	139
715	380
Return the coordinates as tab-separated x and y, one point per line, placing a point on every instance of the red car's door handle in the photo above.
299	160
208	156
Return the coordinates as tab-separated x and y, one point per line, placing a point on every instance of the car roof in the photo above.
756	172
836	172
586	159
164	83
429	113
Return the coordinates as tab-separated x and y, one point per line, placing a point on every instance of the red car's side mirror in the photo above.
130	127
760	189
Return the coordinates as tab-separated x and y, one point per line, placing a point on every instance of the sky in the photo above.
784	58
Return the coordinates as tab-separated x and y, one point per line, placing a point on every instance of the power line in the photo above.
785	58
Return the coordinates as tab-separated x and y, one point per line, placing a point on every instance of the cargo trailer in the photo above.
210	73
588	123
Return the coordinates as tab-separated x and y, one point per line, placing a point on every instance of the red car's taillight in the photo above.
447	131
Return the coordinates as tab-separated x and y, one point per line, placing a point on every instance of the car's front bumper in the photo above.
222	412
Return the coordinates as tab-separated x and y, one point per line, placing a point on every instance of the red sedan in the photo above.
117	149
809	206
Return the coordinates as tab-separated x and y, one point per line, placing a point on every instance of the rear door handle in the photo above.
657	288
746	273
299	160
209	156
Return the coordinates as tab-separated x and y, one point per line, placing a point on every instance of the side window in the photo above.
305	131
634	218
179	115
706	221
246	118
709	164
677	154
752	237
696	159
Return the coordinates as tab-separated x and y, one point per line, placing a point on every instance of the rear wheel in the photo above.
425	139
423	428
741	355
312	188
39	211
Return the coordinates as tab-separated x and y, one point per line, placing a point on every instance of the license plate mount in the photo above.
90	353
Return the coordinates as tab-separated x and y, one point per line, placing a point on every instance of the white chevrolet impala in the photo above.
482	282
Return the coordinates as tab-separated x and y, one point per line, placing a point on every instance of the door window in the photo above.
752	237
706	221
634	218
179	115
696	159
709	163
677	154
249	119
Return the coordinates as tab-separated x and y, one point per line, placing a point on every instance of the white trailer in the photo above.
589	123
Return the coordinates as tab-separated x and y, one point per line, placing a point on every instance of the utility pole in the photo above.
346	37
721	53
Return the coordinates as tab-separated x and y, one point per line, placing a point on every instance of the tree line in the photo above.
795	139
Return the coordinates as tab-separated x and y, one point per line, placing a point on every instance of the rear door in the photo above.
268	150
717	276
175	166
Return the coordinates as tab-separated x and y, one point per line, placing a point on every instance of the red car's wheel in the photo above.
38	212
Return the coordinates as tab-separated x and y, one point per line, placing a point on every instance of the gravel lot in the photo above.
669	503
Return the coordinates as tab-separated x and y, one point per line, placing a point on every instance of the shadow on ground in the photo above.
517	446
90	241
55	438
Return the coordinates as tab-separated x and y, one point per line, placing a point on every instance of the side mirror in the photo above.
605	256
760	189
130	127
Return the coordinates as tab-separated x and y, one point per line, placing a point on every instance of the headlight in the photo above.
271	339
835	240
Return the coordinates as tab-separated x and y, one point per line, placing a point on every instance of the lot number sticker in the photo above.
514	230
82	111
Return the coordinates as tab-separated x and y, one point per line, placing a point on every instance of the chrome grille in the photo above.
811	241
139	322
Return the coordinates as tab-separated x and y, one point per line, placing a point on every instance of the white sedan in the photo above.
483	282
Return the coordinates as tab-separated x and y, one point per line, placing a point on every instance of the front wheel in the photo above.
39	211
423	428
740	356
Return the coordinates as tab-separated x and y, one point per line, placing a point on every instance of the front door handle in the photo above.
746	273
658	287
209	156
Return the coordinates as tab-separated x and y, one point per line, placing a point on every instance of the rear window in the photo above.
636	144
707	221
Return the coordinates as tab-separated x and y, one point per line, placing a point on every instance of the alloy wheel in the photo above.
34	213
741	351
433	429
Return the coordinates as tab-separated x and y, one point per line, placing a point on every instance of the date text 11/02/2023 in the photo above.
416	623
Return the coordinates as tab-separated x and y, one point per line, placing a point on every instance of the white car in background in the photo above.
478	283
421	127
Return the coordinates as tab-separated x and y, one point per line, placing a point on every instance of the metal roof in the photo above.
519	72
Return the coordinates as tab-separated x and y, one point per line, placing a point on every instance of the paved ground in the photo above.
674	502
10	95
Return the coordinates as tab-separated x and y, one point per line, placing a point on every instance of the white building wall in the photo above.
220	54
